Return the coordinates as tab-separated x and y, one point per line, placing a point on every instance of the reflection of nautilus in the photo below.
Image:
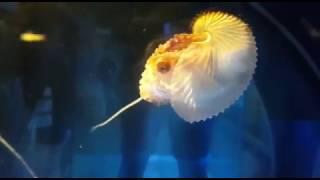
202	73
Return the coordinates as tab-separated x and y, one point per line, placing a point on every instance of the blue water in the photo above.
236	151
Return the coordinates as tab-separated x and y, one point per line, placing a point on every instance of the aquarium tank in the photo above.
159	89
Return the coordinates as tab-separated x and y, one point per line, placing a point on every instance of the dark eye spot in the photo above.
163	67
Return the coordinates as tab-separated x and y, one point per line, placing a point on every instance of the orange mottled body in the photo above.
182	41
166	55
178	42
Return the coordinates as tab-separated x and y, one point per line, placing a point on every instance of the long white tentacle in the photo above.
117	113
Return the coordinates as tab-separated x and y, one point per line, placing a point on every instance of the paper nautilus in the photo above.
202	73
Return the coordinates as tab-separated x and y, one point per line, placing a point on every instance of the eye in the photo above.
163	67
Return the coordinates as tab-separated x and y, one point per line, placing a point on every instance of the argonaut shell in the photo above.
202	73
